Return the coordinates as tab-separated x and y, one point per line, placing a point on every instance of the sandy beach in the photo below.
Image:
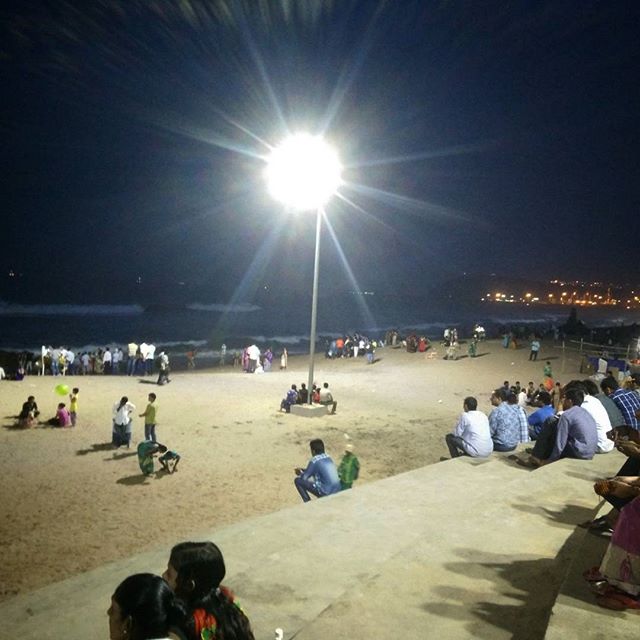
71	503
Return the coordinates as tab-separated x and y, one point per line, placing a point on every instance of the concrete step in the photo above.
460	549
575	613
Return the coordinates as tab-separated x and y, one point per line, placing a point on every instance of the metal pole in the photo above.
314	304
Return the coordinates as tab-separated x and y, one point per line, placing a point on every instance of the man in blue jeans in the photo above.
320	478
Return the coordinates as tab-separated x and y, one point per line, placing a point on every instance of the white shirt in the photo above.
597	411
151	352
71	357
522	398
2	375
117	356
122	415
254	352
106	356
473	428
132	348
144	349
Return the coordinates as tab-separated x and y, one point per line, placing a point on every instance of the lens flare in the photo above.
303	172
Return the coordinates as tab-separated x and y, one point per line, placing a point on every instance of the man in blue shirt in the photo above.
574	435
507	423
537	418
320	478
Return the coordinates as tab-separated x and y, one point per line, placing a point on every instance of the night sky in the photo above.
477	137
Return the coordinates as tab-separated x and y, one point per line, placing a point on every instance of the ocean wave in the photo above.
11	309
242	307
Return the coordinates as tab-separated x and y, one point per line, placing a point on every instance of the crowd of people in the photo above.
579	420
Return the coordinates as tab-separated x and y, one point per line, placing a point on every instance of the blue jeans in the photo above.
305	487
503	447
455	445
131	363
150	432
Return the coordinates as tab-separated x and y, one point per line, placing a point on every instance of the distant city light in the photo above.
303	172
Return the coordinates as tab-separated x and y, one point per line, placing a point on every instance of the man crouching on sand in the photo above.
320	478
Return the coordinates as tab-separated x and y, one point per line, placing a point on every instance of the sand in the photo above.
70	503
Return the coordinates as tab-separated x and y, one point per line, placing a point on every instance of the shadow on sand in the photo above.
98	446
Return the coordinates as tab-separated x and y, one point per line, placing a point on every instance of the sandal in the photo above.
617	601
593	575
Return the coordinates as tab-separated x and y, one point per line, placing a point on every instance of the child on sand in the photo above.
73	405
29	414
168	458
62	417
349	468
149	416
546	372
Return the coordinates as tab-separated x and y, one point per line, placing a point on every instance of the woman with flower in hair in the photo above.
195	571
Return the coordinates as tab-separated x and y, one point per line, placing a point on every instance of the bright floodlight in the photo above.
303	172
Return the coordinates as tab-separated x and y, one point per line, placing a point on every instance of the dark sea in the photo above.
206	326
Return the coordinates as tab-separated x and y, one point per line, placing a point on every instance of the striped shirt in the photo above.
628	402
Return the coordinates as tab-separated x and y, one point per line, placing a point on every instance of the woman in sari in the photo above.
617	582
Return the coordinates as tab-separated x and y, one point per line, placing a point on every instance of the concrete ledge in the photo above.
309	410
459	549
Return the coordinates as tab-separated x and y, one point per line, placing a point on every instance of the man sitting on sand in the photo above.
507	422
575	435
320	478
326	398
471	436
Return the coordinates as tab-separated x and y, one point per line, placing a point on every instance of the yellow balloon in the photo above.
62	389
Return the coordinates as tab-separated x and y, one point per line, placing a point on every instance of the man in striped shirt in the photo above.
627	401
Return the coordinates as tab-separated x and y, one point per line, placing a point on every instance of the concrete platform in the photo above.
309	410
460	549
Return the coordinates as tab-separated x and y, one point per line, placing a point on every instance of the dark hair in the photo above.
123	401
609	383
61	405
500	393
76	390
200	570
575	395
161	448
590	387
316	446
30	398
150	603
326	385
512	398
544	397
471	403
574	384
153	395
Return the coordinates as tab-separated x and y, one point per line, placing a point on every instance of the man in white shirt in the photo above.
254	357
593	406
106	361
471	436
132	349
149	358
116	358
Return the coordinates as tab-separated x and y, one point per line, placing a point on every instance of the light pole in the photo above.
303	173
